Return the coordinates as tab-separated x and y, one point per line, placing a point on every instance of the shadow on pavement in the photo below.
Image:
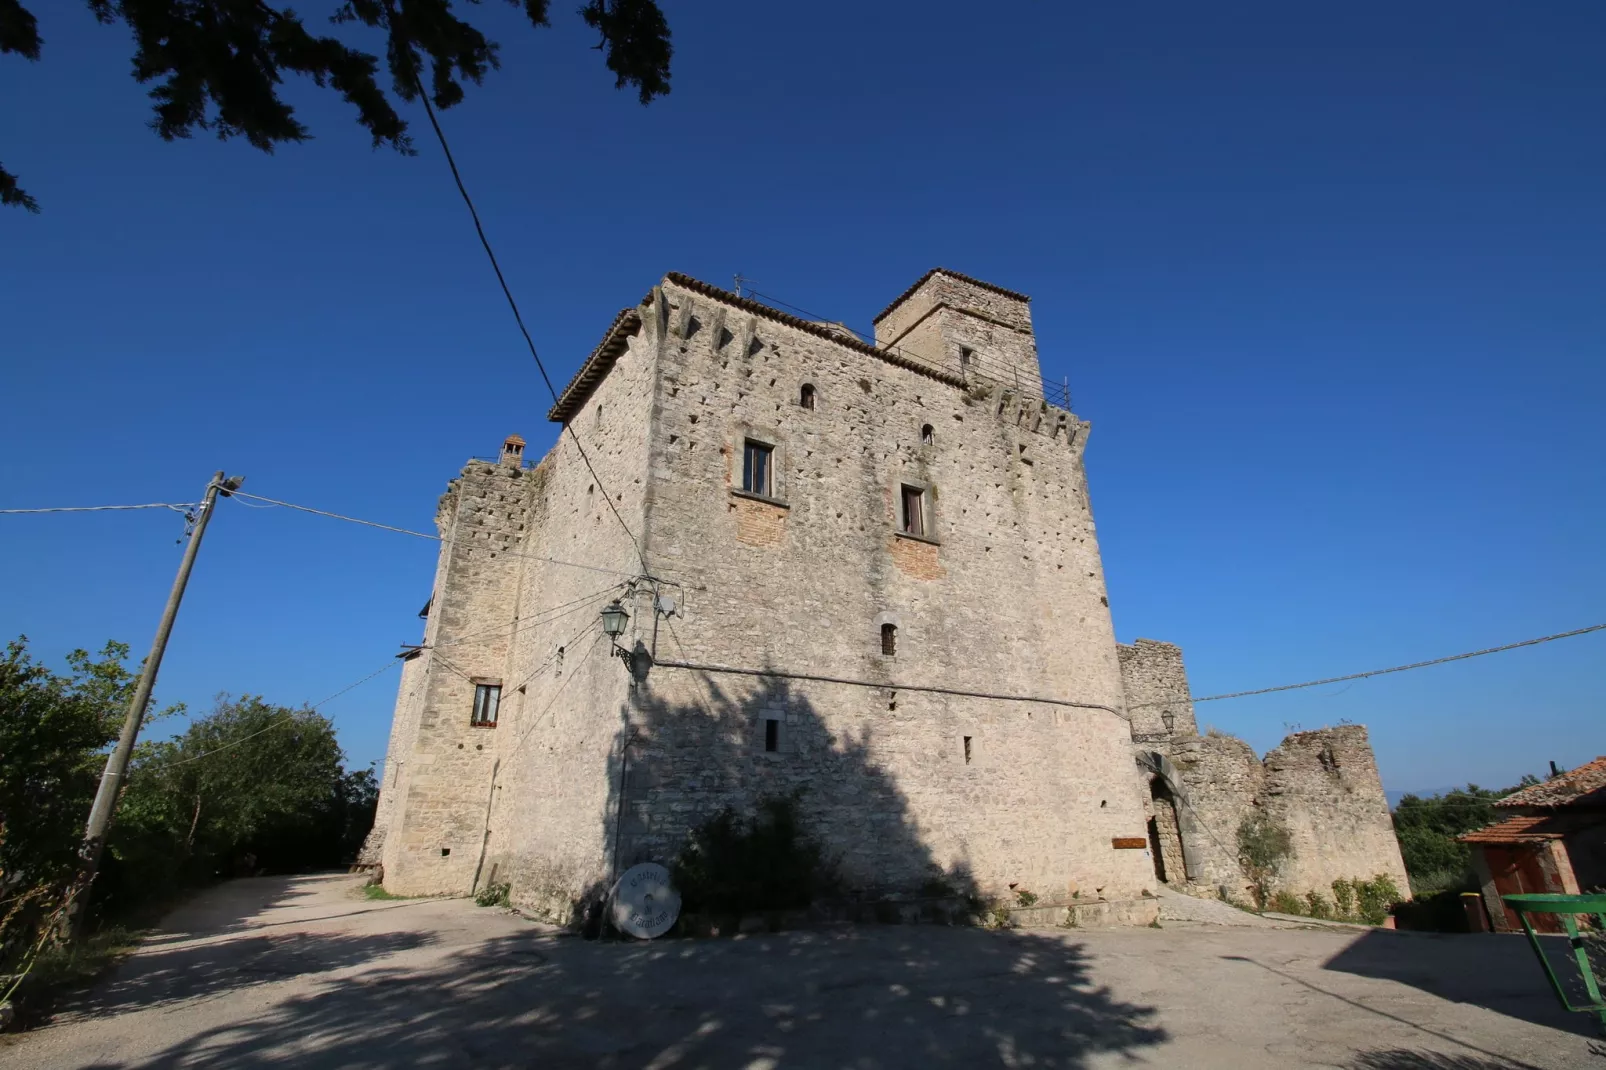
923	995
1427	1060
1497	972
204	969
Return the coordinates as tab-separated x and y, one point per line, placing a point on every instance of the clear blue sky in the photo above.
1330	285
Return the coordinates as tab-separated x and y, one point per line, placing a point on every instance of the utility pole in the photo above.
111	781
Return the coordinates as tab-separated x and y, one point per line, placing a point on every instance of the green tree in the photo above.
1263	845
249	786
219	64
1427	829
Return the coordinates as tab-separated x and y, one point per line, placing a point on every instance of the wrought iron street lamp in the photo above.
614	619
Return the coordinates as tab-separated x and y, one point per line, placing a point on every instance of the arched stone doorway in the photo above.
1173	828
1165	835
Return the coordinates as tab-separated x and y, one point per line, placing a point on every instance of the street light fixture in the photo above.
614	619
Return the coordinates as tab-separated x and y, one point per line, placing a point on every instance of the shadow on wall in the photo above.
885	996
685	762
1497	972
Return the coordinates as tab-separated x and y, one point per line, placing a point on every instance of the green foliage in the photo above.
1025	898
1344	898
493	895
1316	906
733	865
1427	829
1286	902
1373	898
1263	846
377	892
220	64
249	787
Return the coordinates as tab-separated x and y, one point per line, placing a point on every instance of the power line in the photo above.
288	717
177	507
421	534
485	243
1396	668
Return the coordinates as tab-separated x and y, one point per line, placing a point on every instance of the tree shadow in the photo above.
878	996
677	763
1496	972
214	966
1405	1059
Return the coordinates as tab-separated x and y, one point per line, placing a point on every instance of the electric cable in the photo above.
177	507
518	317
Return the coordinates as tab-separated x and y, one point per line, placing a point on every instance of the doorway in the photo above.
1165	834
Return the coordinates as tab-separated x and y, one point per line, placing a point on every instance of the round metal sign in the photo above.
645	904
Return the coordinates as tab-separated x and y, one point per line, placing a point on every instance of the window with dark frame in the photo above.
914	511
805	397
965	353
889	640
756	469
772	735
487	698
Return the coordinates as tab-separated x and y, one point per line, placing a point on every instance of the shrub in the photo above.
1373	898
493	895
732	864
1286	902
1343	898
1263	846
1025	898
1316	906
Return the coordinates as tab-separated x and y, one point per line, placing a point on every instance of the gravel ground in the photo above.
1175	906
303	972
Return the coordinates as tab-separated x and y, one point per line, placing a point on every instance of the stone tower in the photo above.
861	574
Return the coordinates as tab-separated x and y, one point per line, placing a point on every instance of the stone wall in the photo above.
1156	685
1324	787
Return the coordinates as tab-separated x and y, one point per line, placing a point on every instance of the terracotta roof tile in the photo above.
614	342
1584	786
1529	828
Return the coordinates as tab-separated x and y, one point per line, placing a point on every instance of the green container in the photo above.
1569	908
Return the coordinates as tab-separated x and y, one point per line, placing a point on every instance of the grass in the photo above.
61	968
377	891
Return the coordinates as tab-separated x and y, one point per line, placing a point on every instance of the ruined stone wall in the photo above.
1324	787
1005	595
1223	777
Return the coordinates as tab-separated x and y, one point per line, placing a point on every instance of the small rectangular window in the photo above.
914	511
889	640
965	353
772	734
967	750
756	469
487	697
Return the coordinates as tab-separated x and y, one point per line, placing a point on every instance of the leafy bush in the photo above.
1263	846
493	895
1025	898
1373	898
1286	902
1344	898
1316	906
733	865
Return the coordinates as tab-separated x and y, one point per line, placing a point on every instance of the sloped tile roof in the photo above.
1584	786
921	281
1530	828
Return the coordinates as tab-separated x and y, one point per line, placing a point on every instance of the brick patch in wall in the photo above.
917	559
758	523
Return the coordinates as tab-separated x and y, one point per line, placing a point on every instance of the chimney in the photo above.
513	451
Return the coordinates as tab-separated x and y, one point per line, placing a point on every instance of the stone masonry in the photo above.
948	703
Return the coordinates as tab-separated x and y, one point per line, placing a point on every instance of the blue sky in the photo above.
1330	285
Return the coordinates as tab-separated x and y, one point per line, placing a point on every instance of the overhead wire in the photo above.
1377	672
518	317
177	507
425	535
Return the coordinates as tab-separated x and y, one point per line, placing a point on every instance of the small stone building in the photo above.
864	573
1553	841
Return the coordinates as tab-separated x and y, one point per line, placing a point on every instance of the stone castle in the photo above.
863	572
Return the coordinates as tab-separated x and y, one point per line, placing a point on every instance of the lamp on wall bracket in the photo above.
614	620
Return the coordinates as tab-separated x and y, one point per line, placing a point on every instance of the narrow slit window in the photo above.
756	469
806	396
487	697
914	511
889	639
772	735
967	750
965	355
928	435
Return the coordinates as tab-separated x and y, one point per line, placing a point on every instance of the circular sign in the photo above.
645	904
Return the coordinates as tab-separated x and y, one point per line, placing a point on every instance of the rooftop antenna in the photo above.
738	279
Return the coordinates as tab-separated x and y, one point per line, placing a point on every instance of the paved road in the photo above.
302	972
